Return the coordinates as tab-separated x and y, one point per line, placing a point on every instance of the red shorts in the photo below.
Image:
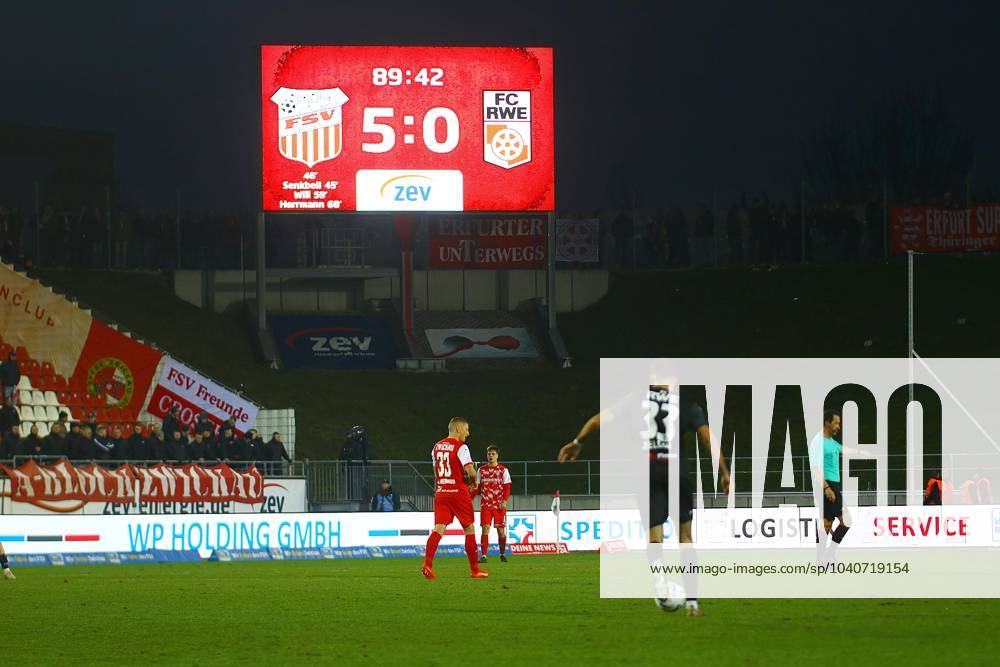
451	506
498	517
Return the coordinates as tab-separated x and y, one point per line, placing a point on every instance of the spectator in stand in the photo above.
118	442
758	213
198	450
622	230
250	447
121	234
56	442
10	375
158	447
385	500
103	448
734	234
230	423
656	240
73	436
63	421
172	423
9	416
82	447
677	239
91	421
704	236
33	445
11	445
275	452
203	423
93	237
136	448
177	448
225	446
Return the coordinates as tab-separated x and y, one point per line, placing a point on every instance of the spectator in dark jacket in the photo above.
385	500
204	423
177	448
10	375
78	446
171	423
56	443
198	449
11	445
275	451
103	448
157	447
9	416
230	423
136	448
225	446
33	445
119	443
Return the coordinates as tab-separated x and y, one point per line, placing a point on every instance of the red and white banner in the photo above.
117	366
194	393
39	485
495	242
935	229
407	128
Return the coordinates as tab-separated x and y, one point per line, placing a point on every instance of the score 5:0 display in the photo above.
371	125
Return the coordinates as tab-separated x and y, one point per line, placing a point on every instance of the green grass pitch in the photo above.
539	610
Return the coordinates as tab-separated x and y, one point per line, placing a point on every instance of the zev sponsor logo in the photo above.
334	341
409	190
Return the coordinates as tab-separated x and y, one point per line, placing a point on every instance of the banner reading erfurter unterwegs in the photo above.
181	385
802	477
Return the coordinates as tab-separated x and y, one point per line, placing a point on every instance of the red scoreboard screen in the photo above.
401	128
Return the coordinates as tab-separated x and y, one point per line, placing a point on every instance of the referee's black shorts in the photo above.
659	493
832	509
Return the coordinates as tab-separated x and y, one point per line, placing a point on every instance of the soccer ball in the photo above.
675	597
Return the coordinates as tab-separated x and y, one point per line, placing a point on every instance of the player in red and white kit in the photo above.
456	482
494	490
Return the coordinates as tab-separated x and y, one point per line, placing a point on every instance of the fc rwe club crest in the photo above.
507	127
310	124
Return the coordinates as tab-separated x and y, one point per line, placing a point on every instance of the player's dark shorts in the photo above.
659	493
833	509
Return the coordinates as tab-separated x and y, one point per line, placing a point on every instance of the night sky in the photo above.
695	98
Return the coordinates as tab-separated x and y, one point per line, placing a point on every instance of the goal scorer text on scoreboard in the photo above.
376	128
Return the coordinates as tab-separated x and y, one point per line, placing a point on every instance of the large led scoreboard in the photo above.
375	128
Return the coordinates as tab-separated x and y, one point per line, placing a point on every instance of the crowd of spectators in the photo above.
138	239
204	442
755	231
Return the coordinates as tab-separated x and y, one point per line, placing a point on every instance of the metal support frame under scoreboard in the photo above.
406	297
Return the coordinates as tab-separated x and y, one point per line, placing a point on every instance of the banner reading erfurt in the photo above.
487	242
937	229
